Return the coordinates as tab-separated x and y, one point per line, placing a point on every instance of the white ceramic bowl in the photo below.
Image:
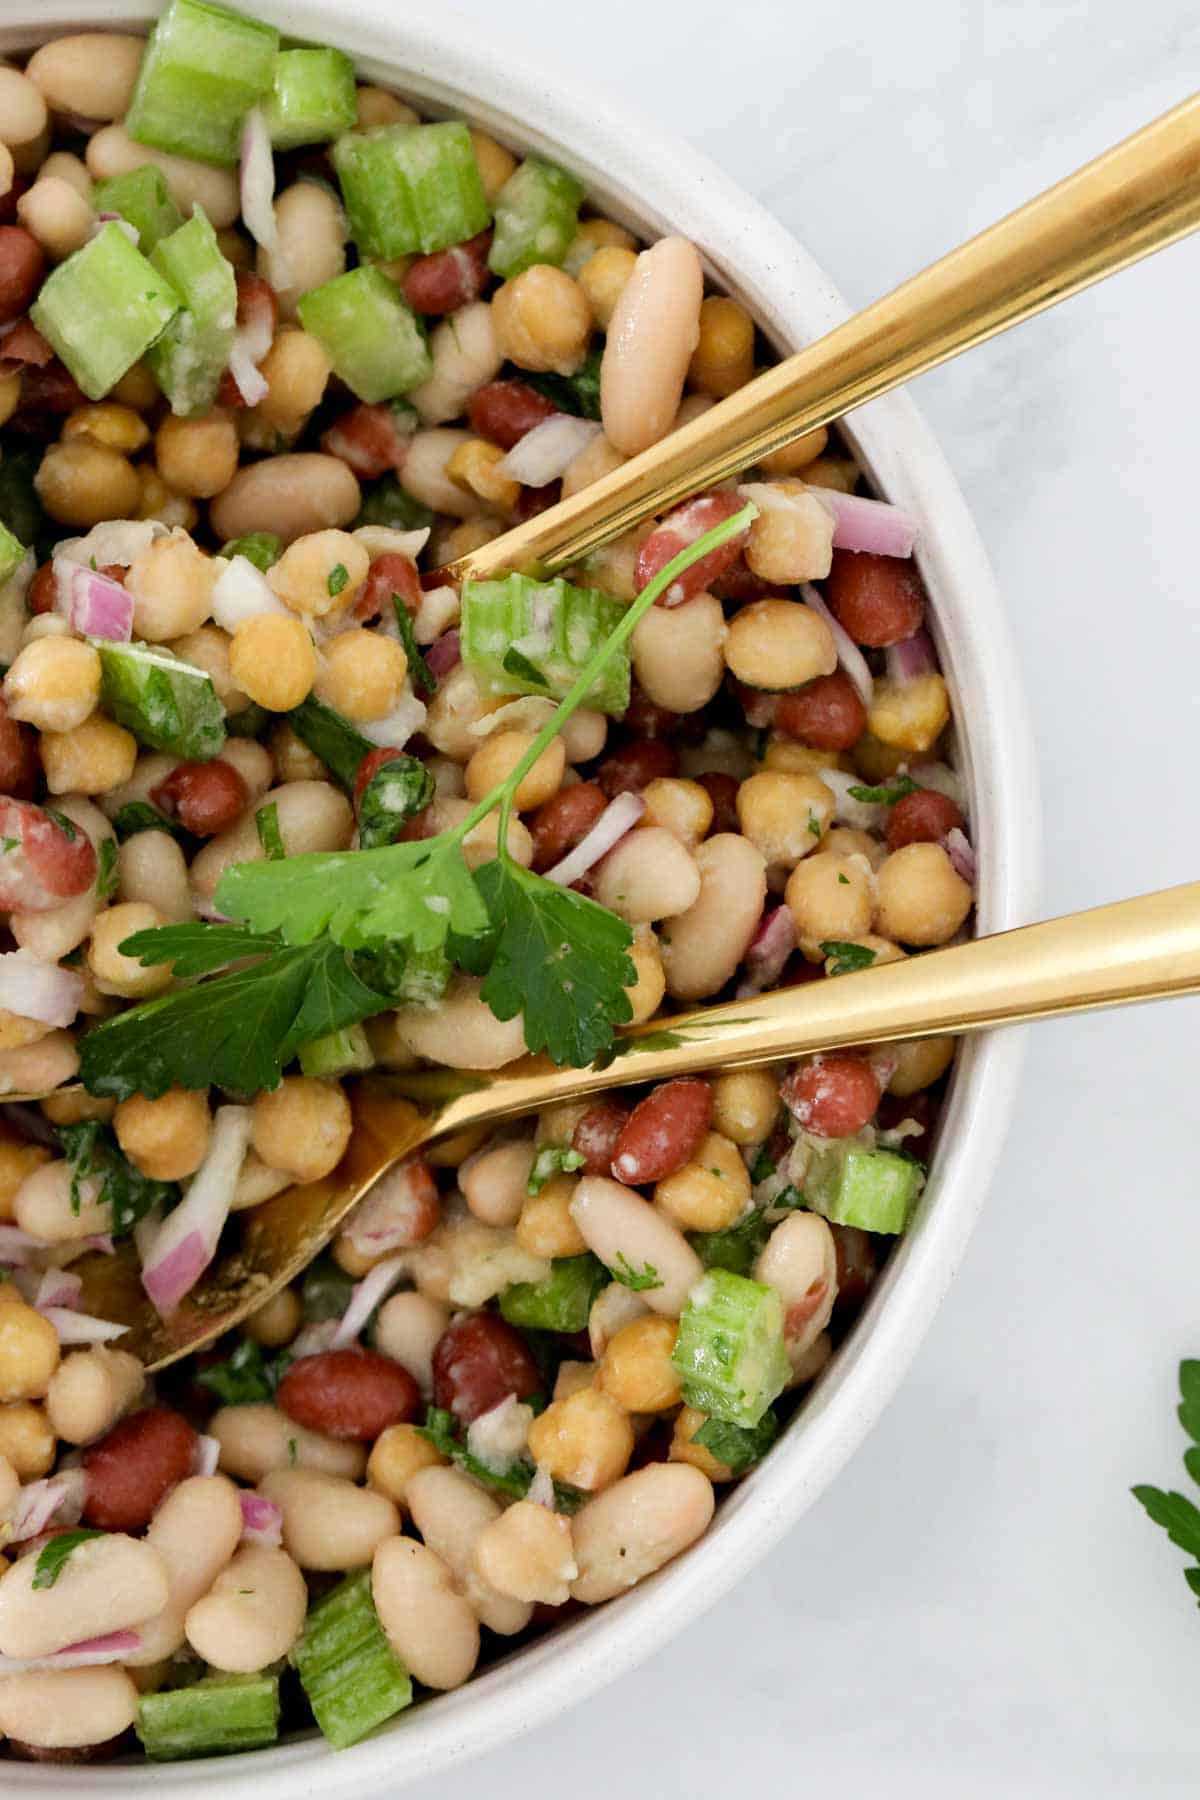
655	183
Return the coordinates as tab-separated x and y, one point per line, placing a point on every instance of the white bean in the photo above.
649	875
466	355
109	1583
252	762
701	950
288	495
677	653
584	735
311	243
618	1223
428	1623
424	474
67	1709
636	1526
91	73
90	1390
111	151
463	1031
256	1183
58	216
23	117
37	1068
329	1523
455	708
312	815
42	1205
654	328
195	1532
148	773
252	1614
407	1329
257	1438
449	1511
152	867
53	934
799	1260
495	1181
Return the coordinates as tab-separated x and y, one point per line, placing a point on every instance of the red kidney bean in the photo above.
47	863
371	762
722	791
799	970
597	1134
827	714
855	1265
662	1131
70	1754
131	1469
19	763
348	1393
561	822
389	574
681	528
833	1096
921	818
449	278
367	440
645	719
627	770
534	500
24	344
758	705
49	389
22	264
895	1109
739	585
42	589
478	1361
206	797
878	600
503	411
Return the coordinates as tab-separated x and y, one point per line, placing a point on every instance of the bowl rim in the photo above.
645	175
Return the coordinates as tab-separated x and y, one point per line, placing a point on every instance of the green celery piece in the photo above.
736	1248
262	548
188	360
12	553
411	187
353	1678
534	637
203	69
142	197
166	703
340	746
561	1301
537	216
875	1190
213	1717
340	1053
103	308
370	333
312	97
385	502
730	1352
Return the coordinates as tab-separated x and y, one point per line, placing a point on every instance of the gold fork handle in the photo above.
1143	949
1138	197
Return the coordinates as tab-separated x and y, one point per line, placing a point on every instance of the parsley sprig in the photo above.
1179	1516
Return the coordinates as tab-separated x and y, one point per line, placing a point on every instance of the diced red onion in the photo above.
769	950
58	1287
365	1297
38	990
206	1457
849	655
391	1215
874	525
262	1519
252	384
91	1653
544	453
619	817
257	179
958	848
56	1500
101	1242
93	604
208	909
313	1339
187	1242
81	1328
911	657
126	226
31	1123
758	707
145	1232
445	653
541	1488
17	1248
242	592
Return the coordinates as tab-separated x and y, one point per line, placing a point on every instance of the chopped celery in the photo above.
102	309
189	358
353	1678
385	502
730	1352
561	1301
736	1248
12	552
370	333
213	1717
537	216
203	69
339	1053
165	702
534	637
262	548
331	737
312	97
872	1189
142	197
411	187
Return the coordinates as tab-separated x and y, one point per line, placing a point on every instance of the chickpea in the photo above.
27	1440
75	1108
922	899
683	808
798	759
81	483
711	1192
909	715
467	535
296	370
165	1138
684	1448
376	106
115	973
53	684
197	457
830	897
494	162
57	215
847	841
784	816
545	1227
798	455
779	644
291	756
586	1440
273	660
363	675
398	1453
875	760
882	951
498	756
107	422
156	501
29	1350
920	1062
136	389
527	1554
745	1105
603	277
17	1160
90	1390
321	572
171	583
475	465
276	1323
792	537
723	360
454	709
90	759
208	649
543	320
302	1127
636	1369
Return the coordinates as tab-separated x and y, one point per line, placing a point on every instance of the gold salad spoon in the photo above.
1136	198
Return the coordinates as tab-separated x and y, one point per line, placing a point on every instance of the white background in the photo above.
977	1607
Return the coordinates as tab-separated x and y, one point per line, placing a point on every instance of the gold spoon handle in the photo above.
1143	949
1138	197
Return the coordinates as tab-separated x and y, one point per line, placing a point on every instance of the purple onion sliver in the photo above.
618	818
958	848
168	1281
851	658
872	525
262	1519
365	1296
911	658
445	652
770	947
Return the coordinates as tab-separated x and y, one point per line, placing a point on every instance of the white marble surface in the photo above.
977	1607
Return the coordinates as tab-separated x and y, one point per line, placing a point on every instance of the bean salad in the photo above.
285	811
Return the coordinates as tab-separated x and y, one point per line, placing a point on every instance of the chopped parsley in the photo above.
266	823
640	1280
339	575
847	957
519	665
139	815
8	845
243	1378
814	825
92	1149
52	1557
422	676
441	1430
551	1160
738	1446
886	795
106	868
62	821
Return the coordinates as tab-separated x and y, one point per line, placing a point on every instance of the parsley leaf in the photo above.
886	795
847	957
62	821
339	575
244	1377
441	1430
560	959
738	1446
763	1166
578	393
422	676
638	1279
266	823
52	1557
91	1149
551	1160
396	791
106	868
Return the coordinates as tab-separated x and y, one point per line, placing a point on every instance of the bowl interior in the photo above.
653	183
